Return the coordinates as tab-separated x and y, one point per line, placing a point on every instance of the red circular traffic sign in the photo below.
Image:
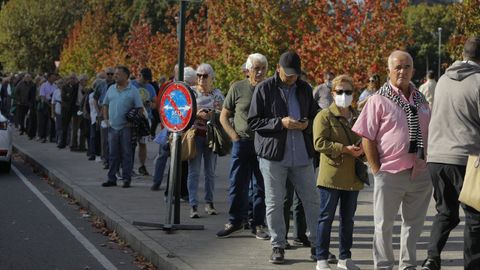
177	107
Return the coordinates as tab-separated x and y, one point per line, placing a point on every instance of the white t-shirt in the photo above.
57	101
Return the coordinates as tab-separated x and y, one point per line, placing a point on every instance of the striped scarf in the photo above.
414	131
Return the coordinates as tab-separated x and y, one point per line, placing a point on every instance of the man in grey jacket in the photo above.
454	134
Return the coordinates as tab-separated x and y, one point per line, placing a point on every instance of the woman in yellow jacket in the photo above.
337	180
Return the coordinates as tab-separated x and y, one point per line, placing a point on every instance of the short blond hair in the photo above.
344	78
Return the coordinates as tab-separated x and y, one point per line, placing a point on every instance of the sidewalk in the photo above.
200	249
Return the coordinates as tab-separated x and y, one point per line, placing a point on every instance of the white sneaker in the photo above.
347	264
323	265
98	159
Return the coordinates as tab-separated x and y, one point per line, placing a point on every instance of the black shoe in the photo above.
278	256
109	184
301	242
30	138
229	230
287	245
105	166
155	187
261	232
126	184
431	264
91	158
60	146
313	254
43	141
331	258
82	149
142	170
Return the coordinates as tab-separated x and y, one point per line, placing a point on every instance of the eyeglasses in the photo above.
203	76
109	73
346	92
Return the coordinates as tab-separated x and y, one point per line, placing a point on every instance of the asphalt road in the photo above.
50	232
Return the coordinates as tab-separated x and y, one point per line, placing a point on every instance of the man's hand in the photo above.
104	124
353	150
374	169
290	123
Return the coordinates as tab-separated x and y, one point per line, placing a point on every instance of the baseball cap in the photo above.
291	64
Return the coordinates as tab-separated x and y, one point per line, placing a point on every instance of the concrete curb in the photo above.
138	241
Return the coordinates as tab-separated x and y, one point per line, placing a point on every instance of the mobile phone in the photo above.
305	119
358	142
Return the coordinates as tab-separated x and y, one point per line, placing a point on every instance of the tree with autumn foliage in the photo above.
350	37
467	17
86	39
114	54
239	28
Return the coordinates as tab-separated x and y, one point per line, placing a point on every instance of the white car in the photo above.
6	131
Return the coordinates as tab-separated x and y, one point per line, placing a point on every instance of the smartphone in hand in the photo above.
303	120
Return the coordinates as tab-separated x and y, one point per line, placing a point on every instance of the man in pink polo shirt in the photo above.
394	127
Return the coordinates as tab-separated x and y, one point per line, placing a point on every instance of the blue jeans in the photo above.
210	163
244	169
275	176
160	163
328	205
120	144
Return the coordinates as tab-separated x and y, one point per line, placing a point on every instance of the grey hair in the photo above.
100	85
395	54
204	67
256	57
190	76
83	77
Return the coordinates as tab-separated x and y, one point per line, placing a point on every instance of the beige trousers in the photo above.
412	196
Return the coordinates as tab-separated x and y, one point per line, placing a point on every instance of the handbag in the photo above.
189	148
361	170
470	193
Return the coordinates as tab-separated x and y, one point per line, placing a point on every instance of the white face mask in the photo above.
343	100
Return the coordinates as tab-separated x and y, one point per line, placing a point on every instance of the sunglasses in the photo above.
346	92
109	73
203	76
372	81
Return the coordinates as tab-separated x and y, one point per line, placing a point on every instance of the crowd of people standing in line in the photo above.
287	139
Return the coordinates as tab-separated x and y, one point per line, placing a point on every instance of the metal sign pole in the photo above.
168	119
173	180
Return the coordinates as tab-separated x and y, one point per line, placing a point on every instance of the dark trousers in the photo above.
244	169
299	222
78	126
32	122
21	114
329	199
58	127
447	182
66	119
94	141
155	122
43	117
183	181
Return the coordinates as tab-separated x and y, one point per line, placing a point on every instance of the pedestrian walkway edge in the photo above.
135	238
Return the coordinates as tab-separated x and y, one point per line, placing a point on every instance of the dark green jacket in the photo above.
331	131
